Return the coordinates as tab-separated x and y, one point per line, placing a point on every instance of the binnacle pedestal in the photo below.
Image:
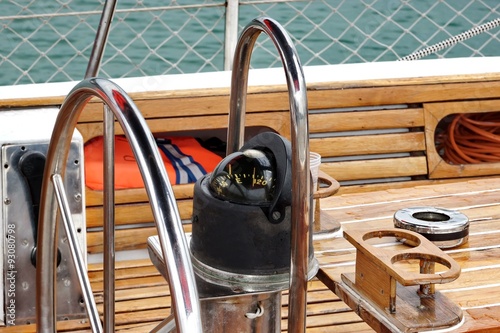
398	297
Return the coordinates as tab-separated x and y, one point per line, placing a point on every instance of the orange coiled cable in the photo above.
471	138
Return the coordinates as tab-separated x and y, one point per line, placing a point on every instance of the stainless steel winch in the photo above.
444	227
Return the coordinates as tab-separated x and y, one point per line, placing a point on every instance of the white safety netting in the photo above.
51	40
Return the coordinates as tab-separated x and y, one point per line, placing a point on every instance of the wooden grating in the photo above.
143	301
476	290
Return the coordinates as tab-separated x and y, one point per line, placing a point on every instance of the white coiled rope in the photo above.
452	40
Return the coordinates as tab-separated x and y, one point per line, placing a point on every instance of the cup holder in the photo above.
420	256
406	238
421	263
402	270
390	259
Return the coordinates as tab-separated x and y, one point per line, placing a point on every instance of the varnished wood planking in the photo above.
334	316
267	106
401	92
321	96
95	198
478	283
376	168
126	273
140	309
371	187
277	121
473	189
473	85
134	213
342	146
125	239
470	298
198	103
365	120
173	106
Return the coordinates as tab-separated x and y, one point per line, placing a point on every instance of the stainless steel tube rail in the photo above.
300	148
173	242
109	169
100	39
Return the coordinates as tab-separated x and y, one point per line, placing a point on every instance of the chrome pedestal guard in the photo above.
300	148
175	251
173	243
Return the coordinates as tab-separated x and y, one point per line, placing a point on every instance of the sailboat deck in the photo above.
377	129
142	296
477	288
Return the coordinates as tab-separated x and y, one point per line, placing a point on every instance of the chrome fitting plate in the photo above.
26	132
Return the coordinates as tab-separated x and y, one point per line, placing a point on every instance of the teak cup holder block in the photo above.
406	297
324	226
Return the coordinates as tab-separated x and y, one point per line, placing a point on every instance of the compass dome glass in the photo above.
246	177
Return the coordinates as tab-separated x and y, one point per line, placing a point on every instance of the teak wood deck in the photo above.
142	294
397	120
476	290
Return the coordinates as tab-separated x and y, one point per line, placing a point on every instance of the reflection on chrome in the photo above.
300	148
166	215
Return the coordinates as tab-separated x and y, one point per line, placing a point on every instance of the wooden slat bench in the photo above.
375	136
378	131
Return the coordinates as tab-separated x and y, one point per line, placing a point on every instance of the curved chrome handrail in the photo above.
173	243
300	148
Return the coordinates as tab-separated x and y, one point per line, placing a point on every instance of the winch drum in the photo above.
446	228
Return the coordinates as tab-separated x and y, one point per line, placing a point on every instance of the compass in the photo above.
245	177
242	211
